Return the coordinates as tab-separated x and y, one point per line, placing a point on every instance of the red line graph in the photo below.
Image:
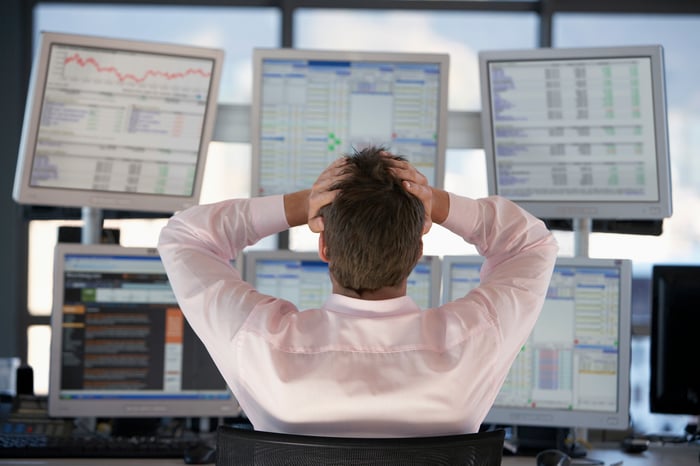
83	62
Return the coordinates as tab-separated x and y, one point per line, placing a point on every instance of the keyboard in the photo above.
16	445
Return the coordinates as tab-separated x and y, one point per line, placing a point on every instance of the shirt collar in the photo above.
370	308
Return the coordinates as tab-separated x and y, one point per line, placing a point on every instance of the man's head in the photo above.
373	228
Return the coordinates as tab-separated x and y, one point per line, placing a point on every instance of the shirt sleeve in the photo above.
519	255
198	246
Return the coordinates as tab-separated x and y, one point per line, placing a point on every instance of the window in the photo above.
462	35
679	241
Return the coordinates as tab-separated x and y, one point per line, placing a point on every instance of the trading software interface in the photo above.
124	335
306	283
313	111
570	360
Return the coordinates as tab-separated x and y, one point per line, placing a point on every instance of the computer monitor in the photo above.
312	106
302	277
578	132
675	328
574	370
120	345
117	124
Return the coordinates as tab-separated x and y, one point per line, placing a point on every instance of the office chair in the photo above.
239	447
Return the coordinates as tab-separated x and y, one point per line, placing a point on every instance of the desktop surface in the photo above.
608	454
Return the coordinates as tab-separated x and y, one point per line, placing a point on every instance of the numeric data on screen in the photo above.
121	121
307	284
574	129
571	359
314	111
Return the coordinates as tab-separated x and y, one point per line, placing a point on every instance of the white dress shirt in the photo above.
360	368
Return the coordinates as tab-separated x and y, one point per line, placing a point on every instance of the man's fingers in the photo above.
425	194
406	171
323	192
316	224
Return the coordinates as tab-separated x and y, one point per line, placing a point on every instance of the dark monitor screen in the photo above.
574	370
120	345
675	328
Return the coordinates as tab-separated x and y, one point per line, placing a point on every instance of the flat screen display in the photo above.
675	320
312	106
573	371
117	124
578	133
120	345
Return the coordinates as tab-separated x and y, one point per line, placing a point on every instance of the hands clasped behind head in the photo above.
325	190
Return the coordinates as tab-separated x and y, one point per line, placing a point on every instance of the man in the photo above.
369	362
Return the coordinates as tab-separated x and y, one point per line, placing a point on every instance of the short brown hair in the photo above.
373	228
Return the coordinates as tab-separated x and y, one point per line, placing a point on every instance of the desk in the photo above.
657	455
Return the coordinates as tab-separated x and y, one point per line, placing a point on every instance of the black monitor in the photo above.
117	124
675	329
121	347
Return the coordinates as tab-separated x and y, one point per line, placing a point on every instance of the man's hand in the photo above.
415	183
322	193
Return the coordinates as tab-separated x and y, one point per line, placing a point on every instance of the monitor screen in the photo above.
574	369
312	106
675	323
120	345
117	124
578	133
302	278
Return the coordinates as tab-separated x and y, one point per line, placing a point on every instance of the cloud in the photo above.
397	32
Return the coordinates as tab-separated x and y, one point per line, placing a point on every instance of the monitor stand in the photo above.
582	231
92	225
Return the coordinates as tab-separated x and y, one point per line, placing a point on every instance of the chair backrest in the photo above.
241	447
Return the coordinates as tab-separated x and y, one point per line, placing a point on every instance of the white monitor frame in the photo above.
122	169
567	418
558	147
129	403
315	162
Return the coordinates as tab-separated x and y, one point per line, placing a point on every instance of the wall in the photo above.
13	80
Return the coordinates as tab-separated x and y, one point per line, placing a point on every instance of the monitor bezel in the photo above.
562	418
634	210
25	193
147	408
262	54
